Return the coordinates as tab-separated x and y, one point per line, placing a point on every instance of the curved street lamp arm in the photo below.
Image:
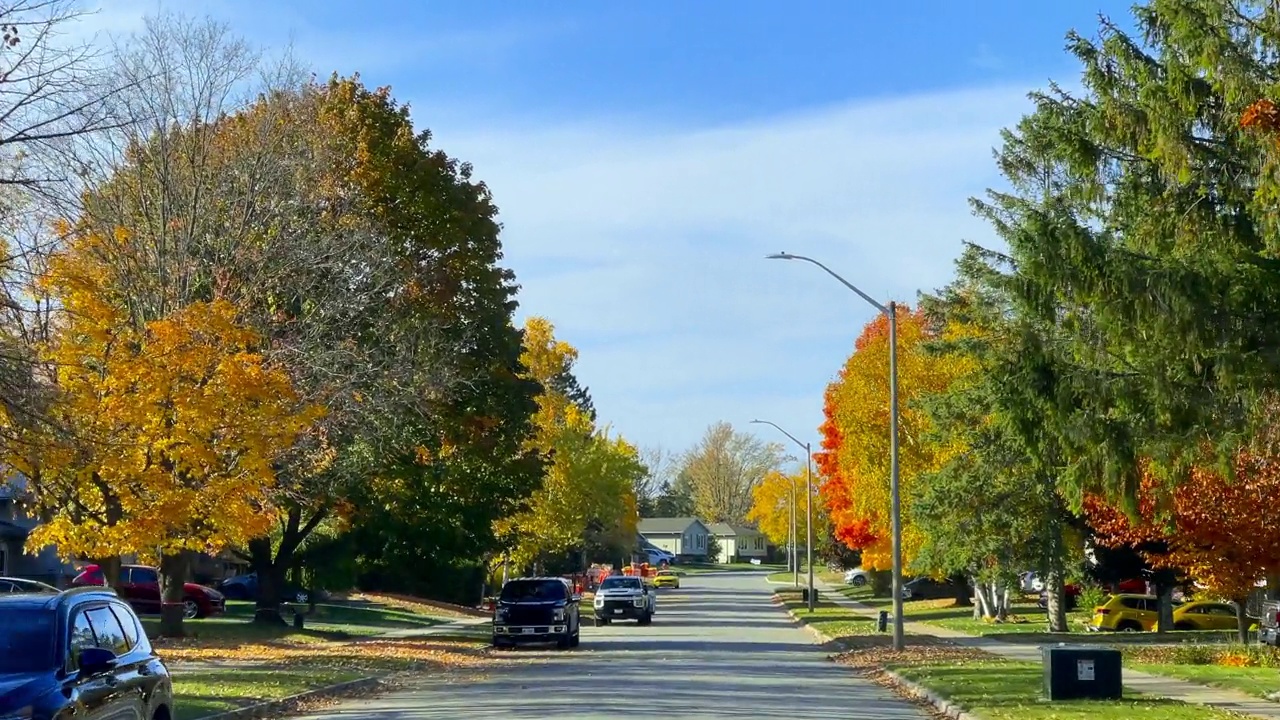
788	256
784	432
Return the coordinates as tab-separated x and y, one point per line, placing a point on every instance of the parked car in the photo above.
22	585
856	577
140	586
245	587
623	597
1205	615
542	609
924	588
1126	612
80	653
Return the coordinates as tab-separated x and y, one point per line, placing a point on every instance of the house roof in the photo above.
727	530
666	526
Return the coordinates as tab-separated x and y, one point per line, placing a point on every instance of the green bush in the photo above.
1091	596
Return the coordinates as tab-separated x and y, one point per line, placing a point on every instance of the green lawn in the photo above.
329	622
200	693
1007	690
1256	681
830	619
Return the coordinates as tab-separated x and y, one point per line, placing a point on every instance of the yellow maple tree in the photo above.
588	487
856	445
771	502
162	435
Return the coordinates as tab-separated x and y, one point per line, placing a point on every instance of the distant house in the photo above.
685	537
15	524
739	543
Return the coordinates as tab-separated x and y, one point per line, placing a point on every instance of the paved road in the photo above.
717	648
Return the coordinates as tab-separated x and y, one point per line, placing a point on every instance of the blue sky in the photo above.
645	156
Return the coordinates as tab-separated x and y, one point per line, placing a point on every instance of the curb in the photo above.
901	685
285	704
925	695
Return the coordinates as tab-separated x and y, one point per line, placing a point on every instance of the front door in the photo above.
4	558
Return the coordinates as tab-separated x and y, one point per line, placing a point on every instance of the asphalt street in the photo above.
717	648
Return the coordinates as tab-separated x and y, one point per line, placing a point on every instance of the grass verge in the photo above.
1008	690
204	692
828	618
1250	669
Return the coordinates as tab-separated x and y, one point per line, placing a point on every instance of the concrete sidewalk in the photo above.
465	625
1145	683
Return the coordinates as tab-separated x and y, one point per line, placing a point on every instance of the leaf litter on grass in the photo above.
387	654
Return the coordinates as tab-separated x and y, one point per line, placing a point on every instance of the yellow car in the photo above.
667	579
1126	613
1205	615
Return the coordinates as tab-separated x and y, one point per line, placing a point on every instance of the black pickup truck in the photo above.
536	610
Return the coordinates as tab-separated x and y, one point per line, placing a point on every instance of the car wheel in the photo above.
576	640
602	621
302	597
858	580
565	642
190	609
646	619
1128	626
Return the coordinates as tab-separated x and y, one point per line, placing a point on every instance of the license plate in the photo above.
617	611
527	631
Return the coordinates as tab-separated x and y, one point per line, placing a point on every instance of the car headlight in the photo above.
501	615
599	601
559	615
639	602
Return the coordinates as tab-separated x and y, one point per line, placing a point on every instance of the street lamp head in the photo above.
780	256
757	421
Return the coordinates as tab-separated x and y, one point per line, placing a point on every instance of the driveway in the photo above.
717	648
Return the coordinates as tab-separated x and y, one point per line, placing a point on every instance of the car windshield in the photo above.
26	640
518	590
620	583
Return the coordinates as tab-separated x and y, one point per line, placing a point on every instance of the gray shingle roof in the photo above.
727	530
665	526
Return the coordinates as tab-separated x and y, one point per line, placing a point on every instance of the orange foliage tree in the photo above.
1210	527
854	462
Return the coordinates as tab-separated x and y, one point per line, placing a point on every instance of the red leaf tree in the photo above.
1218	531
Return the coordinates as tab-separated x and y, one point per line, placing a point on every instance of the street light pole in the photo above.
808	504
895	503
808	513
792	552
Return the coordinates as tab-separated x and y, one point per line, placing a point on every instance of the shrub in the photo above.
1091	596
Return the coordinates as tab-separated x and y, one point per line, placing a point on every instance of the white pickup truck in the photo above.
622	597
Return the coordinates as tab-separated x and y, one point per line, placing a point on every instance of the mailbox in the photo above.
1081	673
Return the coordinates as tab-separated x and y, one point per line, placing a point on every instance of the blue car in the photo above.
79	653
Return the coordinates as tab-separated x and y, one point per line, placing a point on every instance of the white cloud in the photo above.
645	245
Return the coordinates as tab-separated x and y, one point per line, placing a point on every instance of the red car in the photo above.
140	586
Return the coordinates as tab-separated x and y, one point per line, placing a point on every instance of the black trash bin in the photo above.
804	594
1079	672
882	622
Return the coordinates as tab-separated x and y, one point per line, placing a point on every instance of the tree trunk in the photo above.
110	570
173	579
1164	606
1055	592
271	568
1002	601
1242	619
270	582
